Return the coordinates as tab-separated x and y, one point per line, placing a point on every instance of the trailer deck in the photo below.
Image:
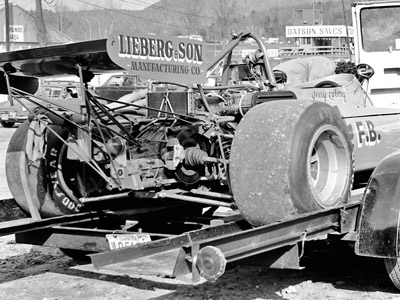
205	244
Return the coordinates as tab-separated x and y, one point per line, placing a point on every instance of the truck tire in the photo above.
44	180
392	266
7	124
288	158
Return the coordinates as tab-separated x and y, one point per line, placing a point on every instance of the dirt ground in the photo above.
332	272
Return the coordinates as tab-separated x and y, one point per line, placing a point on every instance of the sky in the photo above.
84	4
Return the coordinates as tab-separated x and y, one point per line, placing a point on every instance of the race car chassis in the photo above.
203	246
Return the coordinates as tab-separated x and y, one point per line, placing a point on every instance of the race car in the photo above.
252	142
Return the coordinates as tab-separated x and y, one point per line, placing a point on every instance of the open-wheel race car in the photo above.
252	142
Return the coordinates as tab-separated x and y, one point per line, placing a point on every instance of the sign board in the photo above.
244	52
169	59
16	33
273	53
319	31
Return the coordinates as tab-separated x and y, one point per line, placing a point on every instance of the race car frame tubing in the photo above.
10	99
229	48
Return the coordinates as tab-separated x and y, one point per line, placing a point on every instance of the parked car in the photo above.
119	85
64	93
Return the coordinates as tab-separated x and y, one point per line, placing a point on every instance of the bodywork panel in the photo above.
377	233
374	130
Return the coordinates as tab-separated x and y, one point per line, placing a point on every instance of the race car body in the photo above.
249	142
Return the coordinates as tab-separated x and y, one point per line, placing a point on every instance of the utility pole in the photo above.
40	27
7	31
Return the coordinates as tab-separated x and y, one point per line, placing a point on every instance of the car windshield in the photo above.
121	80
380	29
58	92
49	92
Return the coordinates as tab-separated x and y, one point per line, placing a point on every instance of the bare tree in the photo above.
192	16
90	29
225	12
63	22
106	20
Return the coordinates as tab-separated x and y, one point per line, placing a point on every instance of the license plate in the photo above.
4	117
117	241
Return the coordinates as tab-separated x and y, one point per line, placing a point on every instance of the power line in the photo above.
133	16
130	15
155	6
51	3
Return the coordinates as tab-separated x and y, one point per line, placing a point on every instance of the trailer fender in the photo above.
378	230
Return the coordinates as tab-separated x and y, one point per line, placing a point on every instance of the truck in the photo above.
248	166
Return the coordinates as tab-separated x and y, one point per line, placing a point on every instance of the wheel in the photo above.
54	183
392	266
298	157
326	84
7	124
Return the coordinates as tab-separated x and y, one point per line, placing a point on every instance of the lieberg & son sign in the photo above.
159	58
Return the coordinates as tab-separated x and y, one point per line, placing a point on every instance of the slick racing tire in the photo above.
288	158
392	266
50	182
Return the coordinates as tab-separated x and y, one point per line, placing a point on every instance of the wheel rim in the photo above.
70	178
327	165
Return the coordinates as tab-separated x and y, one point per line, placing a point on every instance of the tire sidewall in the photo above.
314	117
50	168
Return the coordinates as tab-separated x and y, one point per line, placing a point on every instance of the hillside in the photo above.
213	19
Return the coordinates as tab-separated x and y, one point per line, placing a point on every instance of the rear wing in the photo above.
24	66
156	57
62	59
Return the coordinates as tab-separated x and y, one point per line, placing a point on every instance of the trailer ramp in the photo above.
205	252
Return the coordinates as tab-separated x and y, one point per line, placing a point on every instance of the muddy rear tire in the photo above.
289	158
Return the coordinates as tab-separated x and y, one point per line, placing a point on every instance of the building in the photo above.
22	32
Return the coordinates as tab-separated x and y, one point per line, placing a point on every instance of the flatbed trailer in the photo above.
205	244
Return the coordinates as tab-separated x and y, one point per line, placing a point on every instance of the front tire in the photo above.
288	158
392	266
